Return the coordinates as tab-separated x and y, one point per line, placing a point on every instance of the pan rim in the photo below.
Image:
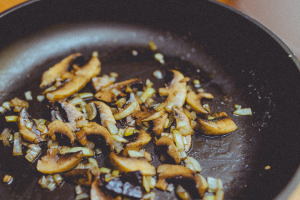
295	180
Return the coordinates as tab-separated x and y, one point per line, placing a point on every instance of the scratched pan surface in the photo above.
237	60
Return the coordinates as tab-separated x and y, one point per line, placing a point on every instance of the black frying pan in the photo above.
239	61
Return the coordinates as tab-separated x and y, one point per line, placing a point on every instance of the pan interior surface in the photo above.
236	66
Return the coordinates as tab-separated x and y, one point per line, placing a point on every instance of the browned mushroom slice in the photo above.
155	115
194	100
105	113
183	124
218	126
58	70
54	163
32	135
97	194
176	91
142	139
73	114
58	126
69	88
125	164
90	69
173	172
92	128
106	94
80	176
101	82
159	124
172	150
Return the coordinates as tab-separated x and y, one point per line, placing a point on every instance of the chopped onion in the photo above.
112	128
126	111
8	179
159	57
147	93
170	187
5	136
119	138
76	101
178	140
135	154
40	98
91	110
152	45
6	105
196	83
243	111
85	151
29	124
11	118
212	184
33	151
90	145
195	164
58	179
28	95
78	189
219	195
113	74
182	193
105	170
86	95
43	181
17	149
149	196
157	74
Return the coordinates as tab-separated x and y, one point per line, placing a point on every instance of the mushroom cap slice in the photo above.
97	194
62	128
176	91
106	95
80	176
218	126
159	124
32	135
68	89
142	139
90	69
92	128
183	124
168	171
58	70
172	150
58	163
125	164
105	113
194	100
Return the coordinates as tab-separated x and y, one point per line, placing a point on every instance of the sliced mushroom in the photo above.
176	91
183	124
125	164
73	115
101	82
97	194
106	94
159	124
92	128
69	88
54	163
177	172
80	176
142	139
90	69
78	81
58	126
194	100
58	70
172	150
105	113
33	135
218	126
155	115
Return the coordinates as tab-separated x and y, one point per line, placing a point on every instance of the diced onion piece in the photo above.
118	146
115	91
152	45
29	124
219	184
5	136
112	128
43	181
2	109
219	195
134	52
182	193
120	102
146	184
196	166
178	140
149	196
105	170
28	95
209	197
93	161
115	173
6	105
85	151
149	84
206	107
126	111
243	111
159	57
113	74
82	196
170	187
160	106
86	95
17	149
11	118
237	106
149	102
183	154
157	74
148	156
58	178
119	139
147	93
212	184
129	131
34	151
98	151
89	145
76	101
8	179
196	83
135	154
91	110
78	189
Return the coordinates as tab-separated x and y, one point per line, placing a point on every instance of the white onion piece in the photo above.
17	149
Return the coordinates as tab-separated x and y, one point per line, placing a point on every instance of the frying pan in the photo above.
238	60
